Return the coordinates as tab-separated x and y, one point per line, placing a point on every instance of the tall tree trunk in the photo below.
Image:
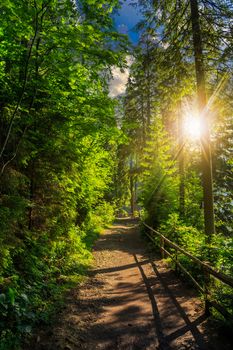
181	161
205	138
132	194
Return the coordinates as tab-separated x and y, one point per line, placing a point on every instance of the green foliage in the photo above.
193	200
57	151
187	236
159	180
103	215
17	315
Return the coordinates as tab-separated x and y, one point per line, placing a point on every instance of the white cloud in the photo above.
117	85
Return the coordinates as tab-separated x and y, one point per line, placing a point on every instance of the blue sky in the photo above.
126	18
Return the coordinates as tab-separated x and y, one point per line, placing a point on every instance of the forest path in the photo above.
130	301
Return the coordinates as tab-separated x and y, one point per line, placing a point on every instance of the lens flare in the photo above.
193	127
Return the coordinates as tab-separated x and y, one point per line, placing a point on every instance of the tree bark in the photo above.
181	162
205	138
132	194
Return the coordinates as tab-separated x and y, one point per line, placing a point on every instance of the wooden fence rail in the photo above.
207	270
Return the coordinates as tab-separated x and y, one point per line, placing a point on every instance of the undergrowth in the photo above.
34	290
217	254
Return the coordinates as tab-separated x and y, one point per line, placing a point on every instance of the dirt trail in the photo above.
129	302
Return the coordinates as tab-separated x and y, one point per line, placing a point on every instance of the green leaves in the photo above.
11	295
2	298
58	162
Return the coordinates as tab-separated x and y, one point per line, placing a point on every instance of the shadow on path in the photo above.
189	326
129	302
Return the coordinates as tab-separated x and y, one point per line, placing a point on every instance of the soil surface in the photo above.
130	301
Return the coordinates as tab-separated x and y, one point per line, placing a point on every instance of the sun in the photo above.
193	127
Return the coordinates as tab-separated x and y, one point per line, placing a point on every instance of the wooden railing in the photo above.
206	268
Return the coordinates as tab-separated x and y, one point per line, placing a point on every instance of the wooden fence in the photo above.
206	268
